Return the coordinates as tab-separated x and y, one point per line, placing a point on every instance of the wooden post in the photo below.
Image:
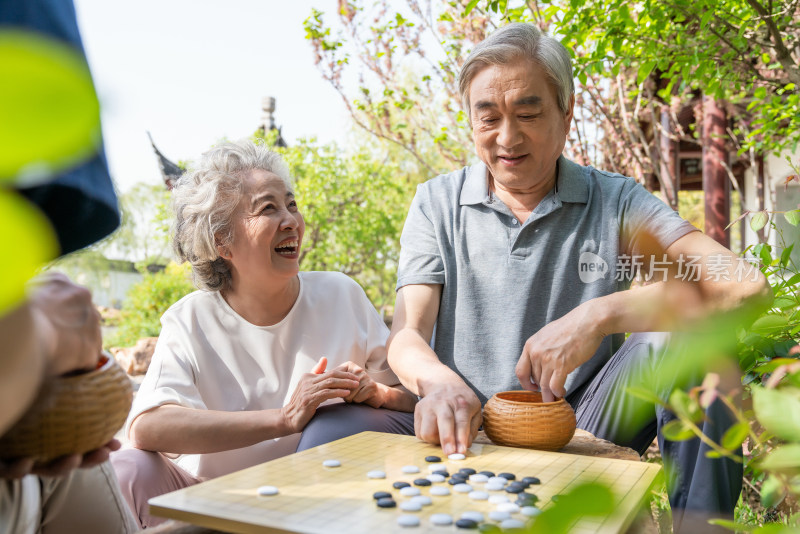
668	162
716	185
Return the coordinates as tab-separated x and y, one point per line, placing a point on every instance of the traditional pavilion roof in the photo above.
170	172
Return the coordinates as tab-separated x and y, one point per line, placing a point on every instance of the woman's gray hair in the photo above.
520	40
205	199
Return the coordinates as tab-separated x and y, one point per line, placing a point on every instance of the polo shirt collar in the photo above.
476	185
571	185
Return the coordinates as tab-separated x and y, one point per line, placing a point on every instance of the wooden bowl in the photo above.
73	414
521	419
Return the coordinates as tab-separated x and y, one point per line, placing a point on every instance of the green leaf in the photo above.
735	435
784	459
772	492
778	412
759	220
792	217
682	404
644	71
769	324
51	118
733	525
644	394
469	7
675	430
28	242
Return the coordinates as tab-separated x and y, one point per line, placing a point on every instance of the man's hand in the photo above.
69	325
555	351
449	416
59	467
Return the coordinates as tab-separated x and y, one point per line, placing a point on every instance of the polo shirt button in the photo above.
514	221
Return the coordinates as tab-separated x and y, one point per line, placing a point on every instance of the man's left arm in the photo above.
716	287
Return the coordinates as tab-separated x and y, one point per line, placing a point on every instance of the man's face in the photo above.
518	129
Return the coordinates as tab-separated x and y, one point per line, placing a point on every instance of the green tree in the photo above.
147	301
354	205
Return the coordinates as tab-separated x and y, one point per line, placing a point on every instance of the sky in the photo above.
193	71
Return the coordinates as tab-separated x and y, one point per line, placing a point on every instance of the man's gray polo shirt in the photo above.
503	281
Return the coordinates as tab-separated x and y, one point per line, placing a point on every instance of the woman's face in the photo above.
268	231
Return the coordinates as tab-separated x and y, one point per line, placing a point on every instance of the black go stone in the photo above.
386	503
466	523
460	476
467	471
526	499
487	473
531	480
400	485
422	482
432	459
442	472
508	476
381	495
514	489
453	481
490	528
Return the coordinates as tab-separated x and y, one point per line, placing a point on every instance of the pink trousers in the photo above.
143	475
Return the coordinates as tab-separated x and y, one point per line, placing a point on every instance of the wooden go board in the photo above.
326	500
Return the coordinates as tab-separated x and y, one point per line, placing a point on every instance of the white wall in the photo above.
776	197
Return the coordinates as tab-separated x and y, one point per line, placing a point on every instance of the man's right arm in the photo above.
449	412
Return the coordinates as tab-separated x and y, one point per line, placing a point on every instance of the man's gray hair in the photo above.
205	199
526	41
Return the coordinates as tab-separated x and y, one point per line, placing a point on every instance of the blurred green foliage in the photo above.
147	301
49	121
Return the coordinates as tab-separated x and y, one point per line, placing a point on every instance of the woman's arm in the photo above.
177	429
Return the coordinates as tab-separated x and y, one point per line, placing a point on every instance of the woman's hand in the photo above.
59	467
312	390
368	391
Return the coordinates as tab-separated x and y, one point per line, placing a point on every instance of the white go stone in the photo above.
456	456
509	507
409	491
462	488
440	491
376	474
442	519
422	500
498	515
508	524
494	486
331	463
498	499
436	467
530	511
267	490
478	495
410	506
478	478
473	516
410	469
498	480
435	478
408	521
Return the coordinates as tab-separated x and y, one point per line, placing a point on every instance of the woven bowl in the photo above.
73	414
521	419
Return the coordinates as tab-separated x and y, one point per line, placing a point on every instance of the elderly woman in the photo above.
242	366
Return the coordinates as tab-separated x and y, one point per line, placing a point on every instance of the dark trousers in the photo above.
338	421
699	488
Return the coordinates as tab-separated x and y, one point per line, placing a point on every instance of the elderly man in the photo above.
508	266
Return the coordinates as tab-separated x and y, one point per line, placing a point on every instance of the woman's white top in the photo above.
210	358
